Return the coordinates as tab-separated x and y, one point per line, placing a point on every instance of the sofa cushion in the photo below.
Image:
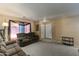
15	55
2	54
10	42
12	45
18	48
11	51
3	49
2	43
21	53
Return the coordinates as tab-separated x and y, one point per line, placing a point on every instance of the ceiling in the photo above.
38	11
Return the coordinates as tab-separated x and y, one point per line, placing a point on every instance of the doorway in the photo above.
46	31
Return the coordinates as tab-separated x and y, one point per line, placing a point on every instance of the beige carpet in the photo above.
50	49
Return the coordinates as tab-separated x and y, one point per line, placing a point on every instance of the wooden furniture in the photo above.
68	41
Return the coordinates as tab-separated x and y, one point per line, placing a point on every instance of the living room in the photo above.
39	29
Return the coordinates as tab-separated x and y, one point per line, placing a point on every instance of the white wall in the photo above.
66	26
70	27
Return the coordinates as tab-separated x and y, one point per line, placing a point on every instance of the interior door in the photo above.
46	31
49	31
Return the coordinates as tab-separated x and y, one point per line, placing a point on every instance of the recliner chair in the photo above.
10	49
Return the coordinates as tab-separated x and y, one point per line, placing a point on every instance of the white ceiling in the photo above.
39	10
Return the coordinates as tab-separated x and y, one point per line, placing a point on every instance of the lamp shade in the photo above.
4	24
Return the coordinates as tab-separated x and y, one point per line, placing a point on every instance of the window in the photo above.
21	28
18	27
14	29
27	28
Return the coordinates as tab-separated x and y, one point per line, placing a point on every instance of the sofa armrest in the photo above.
11	51
1	54
10	42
